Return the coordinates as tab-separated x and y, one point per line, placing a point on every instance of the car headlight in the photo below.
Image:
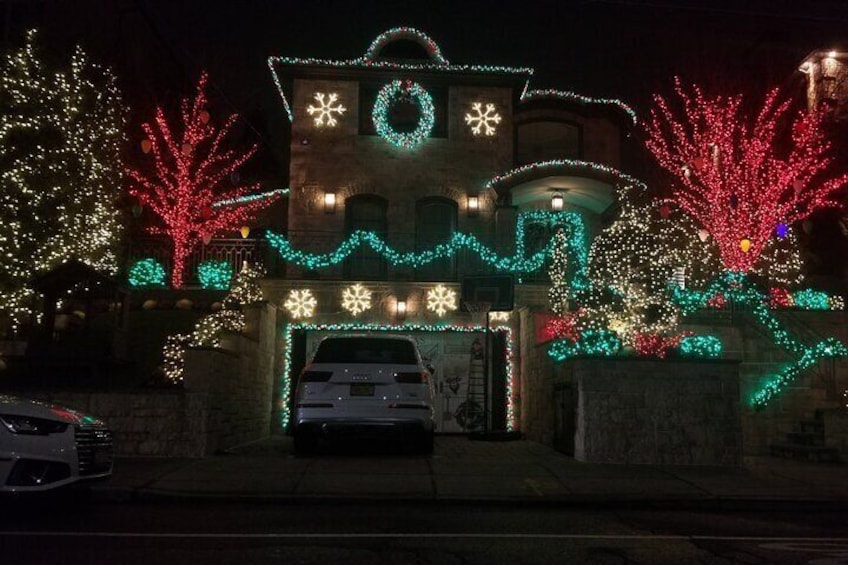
32	426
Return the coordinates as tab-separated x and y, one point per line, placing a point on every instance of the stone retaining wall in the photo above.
672	412
225	400
169	423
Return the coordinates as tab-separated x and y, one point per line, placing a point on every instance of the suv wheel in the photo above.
305	442
426	442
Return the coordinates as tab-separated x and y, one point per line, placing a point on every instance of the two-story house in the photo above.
397	156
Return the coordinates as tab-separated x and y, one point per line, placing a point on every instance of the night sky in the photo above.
609	48
606	48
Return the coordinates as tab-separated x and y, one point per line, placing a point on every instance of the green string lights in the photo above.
393	93
700	346
251	198
288	340
215	275
581	166
147	273
371	60
598	343
735	286
373	52
519	263
529	95
809	299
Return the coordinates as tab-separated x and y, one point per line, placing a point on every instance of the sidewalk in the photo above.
461	470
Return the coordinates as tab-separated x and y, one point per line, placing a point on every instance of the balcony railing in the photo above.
235	251
362	264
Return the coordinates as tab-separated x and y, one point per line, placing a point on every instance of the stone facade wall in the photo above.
836	430
601	137
226	399
827	83
536	368
670	412
819	388
238	379
341	160
170	423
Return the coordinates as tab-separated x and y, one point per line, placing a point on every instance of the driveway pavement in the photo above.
461	470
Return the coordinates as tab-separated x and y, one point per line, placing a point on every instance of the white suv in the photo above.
363	384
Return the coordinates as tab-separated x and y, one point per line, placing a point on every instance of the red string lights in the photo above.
742	176
189	168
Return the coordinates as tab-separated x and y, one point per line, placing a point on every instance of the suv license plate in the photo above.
362	389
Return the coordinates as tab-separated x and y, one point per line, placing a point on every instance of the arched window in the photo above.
544	140
435	223
368	213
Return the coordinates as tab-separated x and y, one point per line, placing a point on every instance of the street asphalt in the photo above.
461	471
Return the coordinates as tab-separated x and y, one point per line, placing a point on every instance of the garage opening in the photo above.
454	352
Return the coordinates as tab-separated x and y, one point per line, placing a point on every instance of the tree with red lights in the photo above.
743	178
185	188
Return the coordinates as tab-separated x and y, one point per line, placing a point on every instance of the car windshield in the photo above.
366	350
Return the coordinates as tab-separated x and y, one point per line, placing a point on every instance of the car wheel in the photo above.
426	442
305	442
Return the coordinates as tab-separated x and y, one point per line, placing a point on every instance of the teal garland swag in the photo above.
572	222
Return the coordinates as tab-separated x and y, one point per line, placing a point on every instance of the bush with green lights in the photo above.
147	273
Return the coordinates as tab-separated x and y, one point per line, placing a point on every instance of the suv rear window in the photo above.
366	350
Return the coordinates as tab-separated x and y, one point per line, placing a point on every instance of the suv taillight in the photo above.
416	378
315	376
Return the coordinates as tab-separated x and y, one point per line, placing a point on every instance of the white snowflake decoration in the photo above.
356	299
325	110
482	121
301	303
441	299
499	316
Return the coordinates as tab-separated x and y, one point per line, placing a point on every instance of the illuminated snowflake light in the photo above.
482	121
441	300
356	299
326	109
301	303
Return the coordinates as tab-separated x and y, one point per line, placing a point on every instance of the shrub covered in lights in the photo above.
809	299
737	288
600	343
215	274
706	346
147	273
207	331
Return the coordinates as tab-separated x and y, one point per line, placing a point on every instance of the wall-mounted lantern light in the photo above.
473	205
329	202
400	308
557	201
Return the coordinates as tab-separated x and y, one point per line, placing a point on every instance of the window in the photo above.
435	223
366	350
367	213
541	141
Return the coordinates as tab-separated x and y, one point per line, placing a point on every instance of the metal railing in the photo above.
235	251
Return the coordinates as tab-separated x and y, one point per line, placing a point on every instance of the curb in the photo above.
733	504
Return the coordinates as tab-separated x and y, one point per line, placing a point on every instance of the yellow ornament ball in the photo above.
745	245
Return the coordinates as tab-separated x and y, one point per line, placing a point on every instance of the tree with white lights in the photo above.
60	169
558	292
